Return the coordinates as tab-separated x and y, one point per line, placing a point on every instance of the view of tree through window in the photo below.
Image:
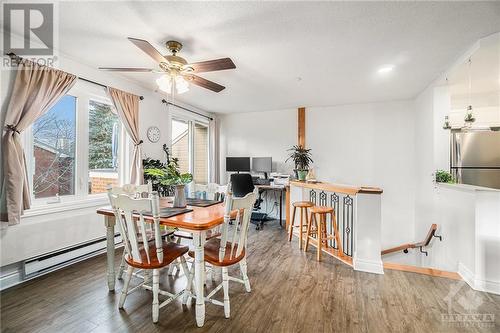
54	150
103	147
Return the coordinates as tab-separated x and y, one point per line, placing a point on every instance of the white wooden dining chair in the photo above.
210	191
135	191
142	252
229	249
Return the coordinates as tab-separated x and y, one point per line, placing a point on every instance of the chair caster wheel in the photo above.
405	250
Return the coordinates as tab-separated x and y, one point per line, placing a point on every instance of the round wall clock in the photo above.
153	134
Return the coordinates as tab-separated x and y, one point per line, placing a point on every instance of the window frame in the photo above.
192	120
84	93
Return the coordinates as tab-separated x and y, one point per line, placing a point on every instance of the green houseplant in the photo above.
301	158
169	176
444	177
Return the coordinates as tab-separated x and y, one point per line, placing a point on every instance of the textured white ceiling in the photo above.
334	47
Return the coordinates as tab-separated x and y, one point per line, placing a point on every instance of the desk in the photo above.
280	188
197	222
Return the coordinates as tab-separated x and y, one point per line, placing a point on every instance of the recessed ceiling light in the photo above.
385	69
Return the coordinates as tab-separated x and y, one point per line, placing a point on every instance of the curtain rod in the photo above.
17	58
181	107
100	84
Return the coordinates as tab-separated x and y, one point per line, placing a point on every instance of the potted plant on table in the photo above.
302	159
169	175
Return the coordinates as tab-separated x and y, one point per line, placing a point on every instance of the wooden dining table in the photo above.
197	222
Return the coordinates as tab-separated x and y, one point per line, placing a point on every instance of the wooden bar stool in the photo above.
303	206
320	230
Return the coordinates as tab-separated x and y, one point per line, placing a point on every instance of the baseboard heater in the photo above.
61	258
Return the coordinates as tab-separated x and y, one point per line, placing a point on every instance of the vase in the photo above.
179	196
302	174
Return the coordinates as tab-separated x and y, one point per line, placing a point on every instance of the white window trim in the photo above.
84	92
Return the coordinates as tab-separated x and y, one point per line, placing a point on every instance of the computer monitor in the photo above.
262	164
237	164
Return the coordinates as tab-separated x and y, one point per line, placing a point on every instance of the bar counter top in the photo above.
330	187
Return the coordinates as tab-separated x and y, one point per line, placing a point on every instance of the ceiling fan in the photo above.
178	72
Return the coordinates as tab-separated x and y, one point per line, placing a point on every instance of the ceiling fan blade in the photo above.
204	83
125	69
213	65
147	48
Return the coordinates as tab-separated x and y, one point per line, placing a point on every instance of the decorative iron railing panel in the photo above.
344	217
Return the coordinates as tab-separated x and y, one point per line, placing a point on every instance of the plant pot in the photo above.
302	174
179	196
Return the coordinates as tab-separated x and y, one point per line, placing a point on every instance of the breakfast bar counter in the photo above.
358	213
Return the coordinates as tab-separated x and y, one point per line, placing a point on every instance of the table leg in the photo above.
199	275
109	222
281	204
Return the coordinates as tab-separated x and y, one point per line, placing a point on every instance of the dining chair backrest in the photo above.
133	190
237	233
129	214
210	191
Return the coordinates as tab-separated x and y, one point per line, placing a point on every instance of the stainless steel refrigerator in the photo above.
475	158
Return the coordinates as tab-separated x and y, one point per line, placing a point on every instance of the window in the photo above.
104	127
200	147
180	144
77	148
54	144
190	145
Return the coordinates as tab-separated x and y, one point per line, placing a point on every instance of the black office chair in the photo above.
241	185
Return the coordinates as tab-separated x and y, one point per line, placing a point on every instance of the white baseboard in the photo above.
369	266
11	279
466	274
487	286
478	284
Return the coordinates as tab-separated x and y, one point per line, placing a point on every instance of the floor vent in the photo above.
55	260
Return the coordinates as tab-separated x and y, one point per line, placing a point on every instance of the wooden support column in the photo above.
302	126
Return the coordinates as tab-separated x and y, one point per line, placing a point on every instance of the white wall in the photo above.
258	134
364	144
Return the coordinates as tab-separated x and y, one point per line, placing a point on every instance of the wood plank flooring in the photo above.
291	292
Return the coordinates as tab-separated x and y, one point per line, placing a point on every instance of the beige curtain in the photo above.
214	148
36	89
127	106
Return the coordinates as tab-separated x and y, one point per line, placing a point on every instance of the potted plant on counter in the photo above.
444	177
171	176
302	159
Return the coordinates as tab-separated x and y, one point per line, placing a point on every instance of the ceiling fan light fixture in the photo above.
164	83
181	85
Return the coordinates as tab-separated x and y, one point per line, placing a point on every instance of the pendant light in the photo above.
469	116
446	124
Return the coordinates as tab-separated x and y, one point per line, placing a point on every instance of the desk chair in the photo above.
242	184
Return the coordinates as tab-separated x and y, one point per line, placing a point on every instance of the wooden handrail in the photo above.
424	243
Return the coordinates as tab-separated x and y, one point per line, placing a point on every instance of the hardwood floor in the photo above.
291	292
